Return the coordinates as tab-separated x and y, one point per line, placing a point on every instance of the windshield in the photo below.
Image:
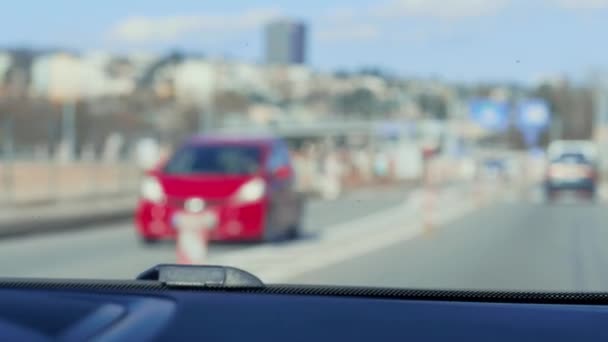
434	144
210	159
571	158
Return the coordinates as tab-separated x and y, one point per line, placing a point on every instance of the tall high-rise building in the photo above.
286	42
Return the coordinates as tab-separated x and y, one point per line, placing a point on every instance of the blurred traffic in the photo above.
241	189
573	166
296	166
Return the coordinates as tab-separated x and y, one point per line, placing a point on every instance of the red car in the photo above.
242	187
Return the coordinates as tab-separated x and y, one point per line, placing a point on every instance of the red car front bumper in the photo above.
235	222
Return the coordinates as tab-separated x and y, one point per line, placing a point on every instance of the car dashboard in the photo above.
76	310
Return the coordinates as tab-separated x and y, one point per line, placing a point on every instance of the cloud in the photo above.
139	29
366	24
451	9
342	14
344	24
350	32
582	4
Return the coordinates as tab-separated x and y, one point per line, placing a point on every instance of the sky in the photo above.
462	40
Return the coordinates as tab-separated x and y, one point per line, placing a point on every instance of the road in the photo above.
515	246
373	238
113	251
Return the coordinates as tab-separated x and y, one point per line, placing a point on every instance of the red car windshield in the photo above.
215	159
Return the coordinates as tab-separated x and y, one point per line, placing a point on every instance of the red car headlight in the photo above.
251	191
152	190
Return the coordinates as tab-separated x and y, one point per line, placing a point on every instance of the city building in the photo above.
66	77
195	82
17	76
57	76
286	42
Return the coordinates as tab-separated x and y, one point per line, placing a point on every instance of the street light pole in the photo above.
8	152
207	117
68	128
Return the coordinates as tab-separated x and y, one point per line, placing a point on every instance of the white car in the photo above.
571	166
584	147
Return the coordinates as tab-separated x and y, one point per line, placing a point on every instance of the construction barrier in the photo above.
193	229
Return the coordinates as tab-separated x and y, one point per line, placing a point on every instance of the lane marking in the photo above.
333	233
578	264
347	240
326	257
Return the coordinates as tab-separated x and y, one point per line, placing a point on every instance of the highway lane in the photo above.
113	251
518	246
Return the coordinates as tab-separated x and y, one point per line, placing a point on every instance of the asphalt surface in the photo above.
523	245
113	250
515	243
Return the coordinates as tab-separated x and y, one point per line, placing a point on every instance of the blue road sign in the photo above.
489	114
533	114
533	117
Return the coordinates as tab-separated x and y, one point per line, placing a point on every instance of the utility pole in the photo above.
207	117
556	128
8	149
205	120
68	128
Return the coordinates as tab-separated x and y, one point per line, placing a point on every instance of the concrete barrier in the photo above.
24	182
79	215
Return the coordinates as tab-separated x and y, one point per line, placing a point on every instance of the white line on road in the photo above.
345	241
